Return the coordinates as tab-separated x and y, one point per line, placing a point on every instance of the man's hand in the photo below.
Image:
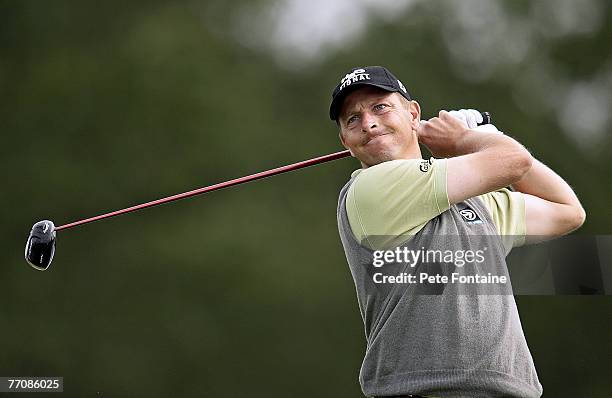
470	117
441	134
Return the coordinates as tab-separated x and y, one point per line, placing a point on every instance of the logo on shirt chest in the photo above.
468	215
425	165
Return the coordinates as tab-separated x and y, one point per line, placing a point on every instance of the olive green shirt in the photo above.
401	196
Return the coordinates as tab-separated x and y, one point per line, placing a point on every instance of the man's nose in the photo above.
368	122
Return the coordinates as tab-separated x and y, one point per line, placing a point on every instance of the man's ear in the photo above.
415	110
343	142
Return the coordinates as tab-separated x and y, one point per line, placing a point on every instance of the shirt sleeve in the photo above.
507	209
396	199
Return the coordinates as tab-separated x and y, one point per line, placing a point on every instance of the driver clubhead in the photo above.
40	246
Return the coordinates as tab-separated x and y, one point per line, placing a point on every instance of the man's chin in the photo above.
379	158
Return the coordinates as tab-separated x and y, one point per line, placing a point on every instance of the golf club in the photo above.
40	246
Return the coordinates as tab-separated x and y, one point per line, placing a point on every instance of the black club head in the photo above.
40	246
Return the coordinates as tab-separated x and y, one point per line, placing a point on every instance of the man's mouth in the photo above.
373	138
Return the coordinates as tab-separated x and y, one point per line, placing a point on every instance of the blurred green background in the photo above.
246	291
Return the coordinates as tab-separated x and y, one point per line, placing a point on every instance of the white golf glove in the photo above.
471	118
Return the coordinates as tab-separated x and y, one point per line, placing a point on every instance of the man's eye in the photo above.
351	119
380	107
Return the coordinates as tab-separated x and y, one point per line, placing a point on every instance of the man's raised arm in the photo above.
481	162
551	206
478	162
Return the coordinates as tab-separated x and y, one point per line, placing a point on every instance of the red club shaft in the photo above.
236	181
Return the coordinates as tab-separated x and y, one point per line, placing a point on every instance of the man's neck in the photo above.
411	155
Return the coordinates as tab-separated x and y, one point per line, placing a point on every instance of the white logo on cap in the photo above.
354	76
402	87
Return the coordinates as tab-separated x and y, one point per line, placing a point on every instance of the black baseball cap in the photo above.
377	76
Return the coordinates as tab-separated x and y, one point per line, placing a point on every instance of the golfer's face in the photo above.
378	126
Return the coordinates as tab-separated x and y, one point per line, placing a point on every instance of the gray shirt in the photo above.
441	339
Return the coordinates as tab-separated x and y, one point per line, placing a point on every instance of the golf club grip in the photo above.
486	118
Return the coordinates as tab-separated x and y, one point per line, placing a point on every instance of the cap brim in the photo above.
336	104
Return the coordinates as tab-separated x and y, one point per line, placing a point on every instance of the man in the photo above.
435	337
